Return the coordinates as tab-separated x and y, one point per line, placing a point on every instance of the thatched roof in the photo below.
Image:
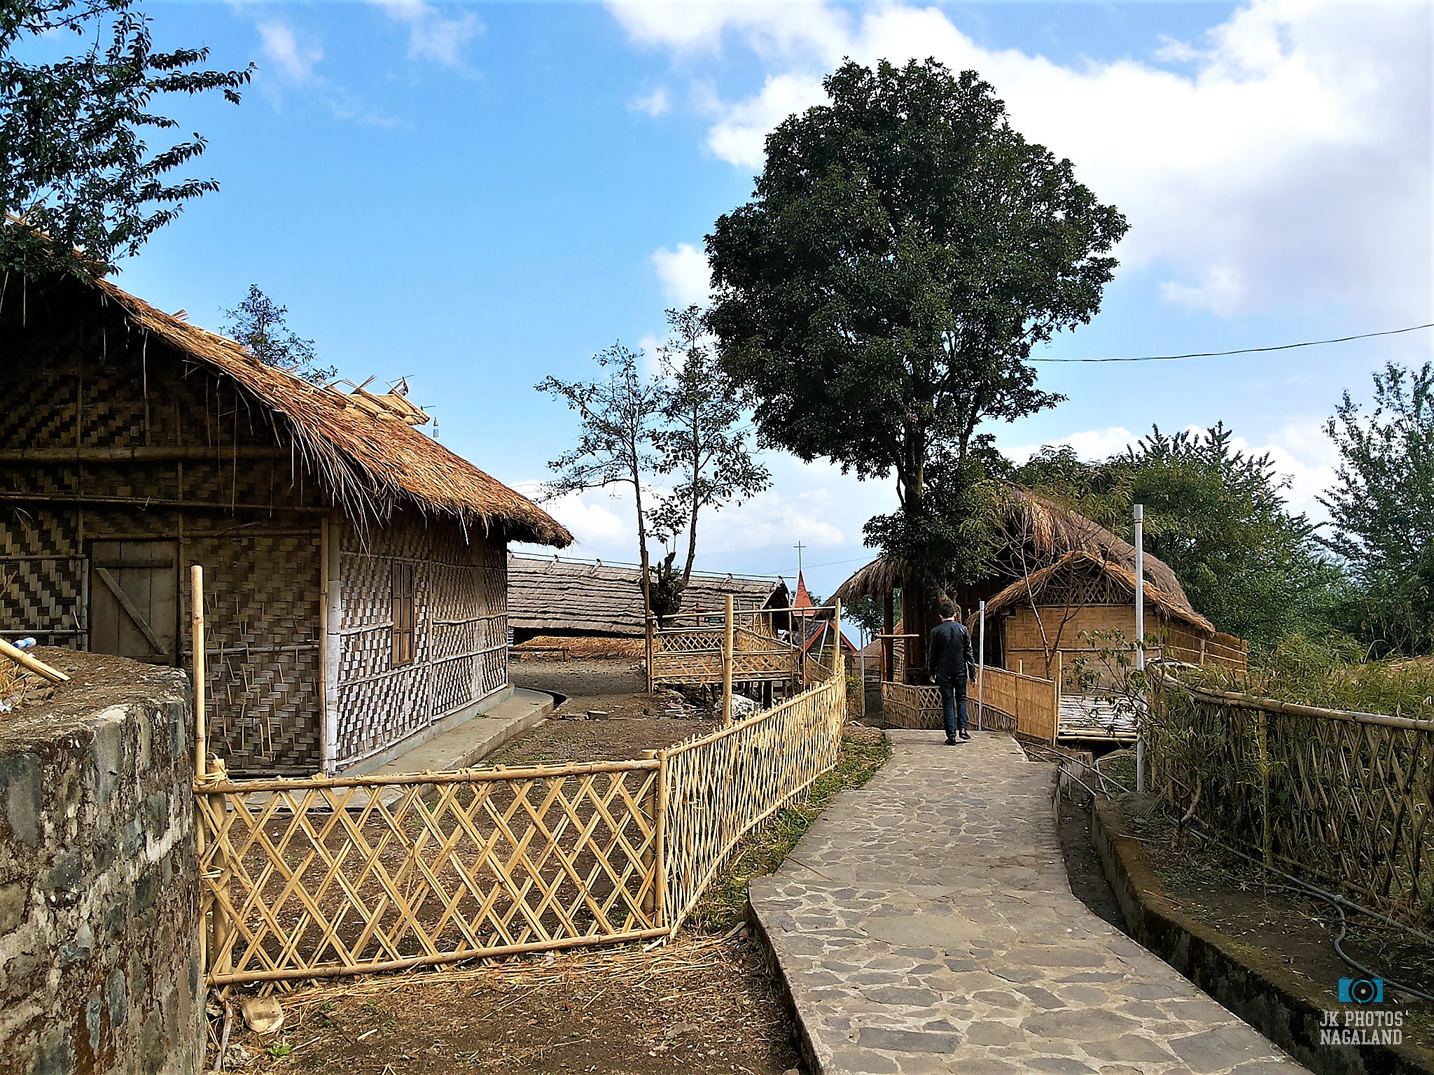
1038	533
561	596
1024	590
361	446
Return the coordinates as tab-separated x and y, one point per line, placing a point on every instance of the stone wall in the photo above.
99	884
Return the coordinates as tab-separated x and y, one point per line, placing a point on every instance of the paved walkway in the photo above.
925	924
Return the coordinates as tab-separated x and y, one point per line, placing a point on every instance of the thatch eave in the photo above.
373	465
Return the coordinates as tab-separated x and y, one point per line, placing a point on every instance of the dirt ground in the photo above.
702	1005
699	1006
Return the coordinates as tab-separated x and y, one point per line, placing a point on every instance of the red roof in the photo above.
803	598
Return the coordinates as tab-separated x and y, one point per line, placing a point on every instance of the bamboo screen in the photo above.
319	877
692	655
1345	798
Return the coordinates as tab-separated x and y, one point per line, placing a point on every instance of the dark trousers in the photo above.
953	706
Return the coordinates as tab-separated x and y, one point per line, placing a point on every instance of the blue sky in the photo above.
477	195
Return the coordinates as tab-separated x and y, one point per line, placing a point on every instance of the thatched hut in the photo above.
564	597
1057	578
355	569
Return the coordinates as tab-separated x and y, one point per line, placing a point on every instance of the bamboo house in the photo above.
1058	579
355	569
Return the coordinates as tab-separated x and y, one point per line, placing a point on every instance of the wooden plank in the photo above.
135	615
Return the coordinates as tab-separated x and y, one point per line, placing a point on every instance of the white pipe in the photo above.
1140	644
981	666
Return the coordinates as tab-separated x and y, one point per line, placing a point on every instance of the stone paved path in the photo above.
925	924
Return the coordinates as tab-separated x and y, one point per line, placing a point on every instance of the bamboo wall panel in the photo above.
460	630
1021	704
1342	798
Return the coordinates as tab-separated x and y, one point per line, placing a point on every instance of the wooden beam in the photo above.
155	502
142	454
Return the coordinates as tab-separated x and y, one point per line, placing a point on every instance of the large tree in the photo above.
78	172
703	441
878	298
1382	506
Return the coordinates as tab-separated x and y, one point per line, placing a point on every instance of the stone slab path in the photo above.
925	924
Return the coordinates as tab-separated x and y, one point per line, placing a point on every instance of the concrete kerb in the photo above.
1275	1000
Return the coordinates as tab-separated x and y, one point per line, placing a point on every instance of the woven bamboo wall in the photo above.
460	638
232	503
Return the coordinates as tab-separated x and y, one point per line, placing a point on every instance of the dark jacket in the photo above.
951	654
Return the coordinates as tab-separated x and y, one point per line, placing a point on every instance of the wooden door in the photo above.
134	599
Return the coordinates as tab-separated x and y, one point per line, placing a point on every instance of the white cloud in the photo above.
432	35
651	104
1089	444
685	274
291	58
1282	159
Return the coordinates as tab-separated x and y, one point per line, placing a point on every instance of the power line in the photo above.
1243	350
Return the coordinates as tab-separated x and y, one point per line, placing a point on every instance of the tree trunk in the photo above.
696	498
642	550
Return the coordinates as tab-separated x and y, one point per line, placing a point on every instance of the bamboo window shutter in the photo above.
403	613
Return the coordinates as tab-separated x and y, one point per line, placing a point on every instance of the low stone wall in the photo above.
1282	1005
99	884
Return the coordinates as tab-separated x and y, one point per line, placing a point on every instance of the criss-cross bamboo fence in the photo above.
1342	797
337	876
689	650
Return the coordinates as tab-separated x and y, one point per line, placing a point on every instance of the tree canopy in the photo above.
262	326
1217	516
77	168
703	441
877	299
1382	507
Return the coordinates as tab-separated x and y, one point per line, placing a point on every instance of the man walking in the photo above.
953	662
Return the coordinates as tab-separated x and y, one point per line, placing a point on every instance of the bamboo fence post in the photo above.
647	633
196	627
839	661
1056	697
1265	788
727	660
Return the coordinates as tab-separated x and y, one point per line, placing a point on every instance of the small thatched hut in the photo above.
563	597
355	569
1057	576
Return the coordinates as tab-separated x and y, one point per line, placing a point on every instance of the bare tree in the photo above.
703	441
618	414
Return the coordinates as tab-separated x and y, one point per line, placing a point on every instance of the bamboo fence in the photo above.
1023	705
339	876
1339	796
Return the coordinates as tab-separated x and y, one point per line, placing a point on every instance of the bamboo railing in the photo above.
688	651
1346	798
338	876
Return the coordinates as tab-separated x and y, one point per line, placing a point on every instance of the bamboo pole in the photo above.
1056	697
727	660
32	664
981	673
1140	644
196	627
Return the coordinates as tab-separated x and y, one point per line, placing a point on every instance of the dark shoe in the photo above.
965	735
952	742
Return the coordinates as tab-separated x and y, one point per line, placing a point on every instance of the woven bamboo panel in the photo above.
41	595
720	786
460	630
262	623
319	877
1345	800
692	656
1020	704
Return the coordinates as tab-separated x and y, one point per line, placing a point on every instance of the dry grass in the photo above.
586	649
15	686
372	461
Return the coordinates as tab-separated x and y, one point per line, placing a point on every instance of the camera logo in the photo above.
1361	990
